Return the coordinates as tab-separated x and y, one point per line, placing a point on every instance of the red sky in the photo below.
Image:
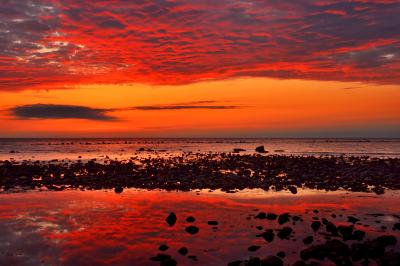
199	68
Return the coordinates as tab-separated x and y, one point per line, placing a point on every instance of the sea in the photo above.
124	148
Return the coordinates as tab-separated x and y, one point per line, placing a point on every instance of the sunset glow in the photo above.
199	68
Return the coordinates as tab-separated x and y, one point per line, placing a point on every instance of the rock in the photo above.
237	150
268	235
253	248
271	216
163	248
285	232
171	219
283	218
352	219
183	251
281	254
168	262
235	263
160	257
308	240
212	223
118	190
271	261
292	189
190	219
315	225
192	229
141	149
261	215
261	149
390	259
396	226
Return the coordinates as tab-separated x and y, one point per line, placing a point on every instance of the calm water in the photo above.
47	149
104	228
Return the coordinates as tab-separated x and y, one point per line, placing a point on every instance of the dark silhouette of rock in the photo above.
261	149
272	261
212	223
190	219
268	235
315	225
253	248
171	219
285	232
283	218
308	240
192	229
183	251
163	248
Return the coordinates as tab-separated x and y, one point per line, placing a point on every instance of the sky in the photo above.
174	68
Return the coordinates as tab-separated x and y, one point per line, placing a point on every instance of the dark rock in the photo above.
237	150
192	229
285	232
292	189
235	263
163	248
308	240
212	223
268	235
271	216
396	226
272	261
171	219
168	262
281	254
160	257
315	225
118	190
183	251
261	215
352	219
253	248
283	218
190	219
261	149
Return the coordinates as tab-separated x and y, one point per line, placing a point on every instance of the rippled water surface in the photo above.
48	149
104	228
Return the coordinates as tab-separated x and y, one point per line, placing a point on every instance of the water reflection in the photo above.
104	228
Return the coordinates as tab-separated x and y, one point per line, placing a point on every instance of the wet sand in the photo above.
104	228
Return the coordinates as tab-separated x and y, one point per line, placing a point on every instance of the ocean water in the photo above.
74	149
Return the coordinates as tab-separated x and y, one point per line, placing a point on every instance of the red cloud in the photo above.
62	43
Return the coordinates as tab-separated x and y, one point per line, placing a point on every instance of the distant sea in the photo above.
124	148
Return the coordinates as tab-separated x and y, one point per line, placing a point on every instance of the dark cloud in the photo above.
56	111
46	43
53	111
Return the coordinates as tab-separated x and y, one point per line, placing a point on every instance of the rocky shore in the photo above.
225	171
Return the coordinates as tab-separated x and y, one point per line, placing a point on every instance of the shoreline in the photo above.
225	171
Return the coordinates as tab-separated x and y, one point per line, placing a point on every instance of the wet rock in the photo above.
171	219
192	229
268	235
261	149
292	189
163	248
118	190
168	262
272	261
183	251
352	219
212	223
160	257
190	219
308	240
315	225
285	232
283	218
281	254
253	248
396	226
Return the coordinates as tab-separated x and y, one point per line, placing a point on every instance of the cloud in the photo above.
56	111
65	43
53	111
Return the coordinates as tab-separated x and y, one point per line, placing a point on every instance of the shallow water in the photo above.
48	149
103	228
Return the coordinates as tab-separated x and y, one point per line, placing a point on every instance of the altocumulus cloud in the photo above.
53	111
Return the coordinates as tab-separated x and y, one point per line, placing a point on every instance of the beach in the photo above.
241	204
